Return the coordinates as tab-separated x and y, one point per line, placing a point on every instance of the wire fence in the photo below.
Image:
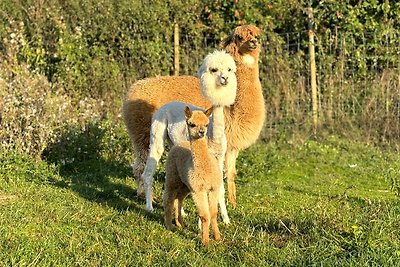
358	82
357	74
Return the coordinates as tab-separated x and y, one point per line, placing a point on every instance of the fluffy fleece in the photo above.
192	168
218	84
243	120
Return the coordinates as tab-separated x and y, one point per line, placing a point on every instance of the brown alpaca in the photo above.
192	168
243	120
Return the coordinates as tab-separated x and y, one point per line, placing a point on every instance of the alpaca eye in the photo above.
229	69
192	125
213	70
206	125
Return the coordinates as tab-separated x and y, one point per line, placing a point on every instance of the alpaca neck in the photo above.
199	151
217	130
249	92
245	118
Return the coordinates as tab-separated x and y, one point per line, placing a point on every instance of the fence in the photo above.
357	90
357	74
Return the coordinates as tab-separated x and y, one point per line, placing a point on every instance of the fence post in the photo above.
176	49
313	69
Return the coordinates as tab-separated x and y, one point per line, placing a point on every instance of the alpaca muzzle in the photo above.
223	80
201	133
253	44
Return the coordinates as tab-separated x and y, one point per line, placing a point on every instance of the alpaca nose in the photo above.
253	43
224	80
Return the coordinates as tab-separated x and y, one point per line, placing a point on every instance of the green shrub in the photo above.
97	141
33	112
20	167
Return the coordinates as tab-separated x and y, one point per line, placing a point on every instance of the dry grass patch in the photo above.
7	199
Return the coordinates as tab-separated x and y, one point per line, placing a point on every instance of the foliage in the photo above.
91	47
33	113
88	53
97	141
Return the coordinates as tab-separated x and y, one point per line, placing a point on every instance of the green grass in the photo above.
328	203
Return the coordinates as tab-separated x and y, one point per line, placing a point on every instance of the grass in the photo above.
319	203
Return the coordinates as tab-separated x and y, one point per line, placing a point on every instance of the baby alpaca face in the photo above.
197	122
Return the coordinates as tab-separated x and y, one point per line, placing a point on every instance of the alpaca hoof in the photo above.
180	224
206	242
232	200
169	226
149	208
140	193
226	220
217	237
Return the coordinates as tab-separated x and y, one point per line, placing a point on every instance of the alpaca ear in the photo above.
227	41
201	70
229	44
188	112
232	49
256	31
209	111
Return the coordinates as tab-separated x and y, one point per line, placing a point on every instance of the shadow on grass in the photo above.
342	196
92	164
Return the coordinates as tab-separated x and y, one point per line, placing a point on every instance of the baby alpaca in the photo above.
192	168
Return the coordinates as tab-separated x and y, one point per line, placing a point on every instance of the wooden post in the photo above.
313	69
176	49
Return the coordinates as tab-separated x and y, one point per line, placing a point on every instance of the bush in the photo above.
19	167
97	141
33	113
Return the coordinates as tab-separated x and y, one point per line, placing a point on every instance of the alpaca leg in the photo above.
230	161
201	201
221	200
181	196
138	166
148	173
213	197
157	143
176	213
222	205
169	196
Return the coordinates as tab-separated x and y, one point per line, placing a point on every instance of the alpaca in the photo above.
192	168
218	84
243	120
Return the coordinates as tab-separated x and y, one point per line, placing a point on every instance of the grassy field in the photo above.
329	203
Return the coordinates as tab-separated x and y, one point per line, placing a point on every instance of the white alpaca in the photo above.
218	84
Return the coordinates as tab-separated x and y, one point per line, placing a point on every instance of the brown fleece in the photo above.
192	168
243	120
